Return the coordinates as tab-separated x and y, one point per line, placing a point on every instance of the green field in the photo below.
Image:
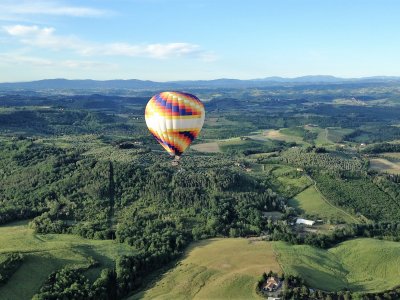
44	254
215	269
311	202
293	131
360	265
323	137
242	145
211	147
284	135
289	181
336	134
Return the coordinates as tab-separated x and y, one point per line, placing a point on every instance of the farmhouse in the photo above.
305	222
271	285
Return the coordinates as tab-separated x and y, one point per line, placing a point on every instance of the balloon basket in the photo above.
175	162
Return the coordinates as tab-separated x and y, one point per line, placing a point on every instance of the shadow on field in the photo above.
151	280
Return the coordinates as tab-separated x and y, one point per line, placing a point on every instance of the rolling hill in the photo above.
61	83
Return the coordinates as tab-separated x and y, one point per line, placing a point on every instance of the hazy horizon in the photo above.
210	79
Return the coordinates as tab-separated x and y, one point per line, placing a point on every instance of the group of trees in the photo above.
249	146
69	283
317	158
66	187
381	148
159	209
295	287
375	199
9	263
374	134
56	121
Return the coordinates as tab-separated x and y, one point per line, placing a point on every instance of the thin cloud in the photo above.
10	9
45	37
13	59
8	58
152	50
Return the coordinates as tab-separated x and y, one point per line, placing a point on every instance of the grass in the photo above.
239	146
311	202
360	265
336	134
293	131
44	254
326	136
216	269
211	147
281	136
287	180
391	155
384	165
322	139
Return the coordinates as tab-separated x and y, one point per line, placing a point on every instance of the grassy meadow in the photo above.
285	135
229	268
311	202
210	147
44	254
336	134
288	180
214	269
360	265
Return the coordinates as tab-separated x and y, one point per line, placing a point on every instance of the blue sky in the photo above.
166	40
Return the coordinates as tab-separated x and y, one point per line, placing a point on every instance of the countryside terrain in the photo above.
226	268
216	268
92	208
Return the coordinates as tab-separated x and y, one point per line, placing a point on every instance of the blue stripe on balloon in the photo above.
176	150
188	134
172	108
160	100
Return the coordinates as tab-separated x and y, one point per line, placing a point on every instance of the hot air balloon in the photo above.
175	120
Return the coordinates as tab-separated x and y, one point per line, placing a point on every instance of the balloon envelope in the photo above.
175	120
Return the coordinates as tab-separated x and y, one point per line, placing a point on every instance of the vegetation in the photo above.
216	268
9	263
307	135
384	165
381	147
103	210
28	259
359	265
248	146
359	196
318	158
313	205
286	180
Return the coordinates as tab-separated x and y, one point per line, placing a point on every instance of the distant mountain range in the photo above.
216	83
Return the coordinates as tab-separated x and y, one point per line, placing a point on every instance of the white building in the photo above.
305	222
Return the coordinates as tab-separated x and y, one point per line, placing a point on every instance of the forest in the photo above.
85	165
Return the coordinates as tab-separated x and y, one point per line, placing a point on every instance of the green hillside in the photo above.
360	265
311	202
44	254
215	269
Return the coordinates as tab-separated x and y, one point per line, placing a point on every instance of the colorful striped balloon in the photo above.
175	120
